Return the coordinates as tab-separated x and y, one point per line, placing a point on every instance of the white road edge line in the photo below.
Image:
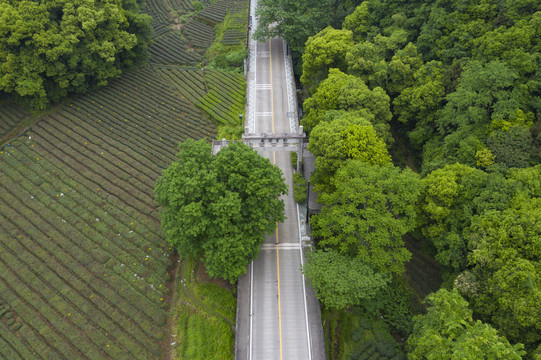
290	81
292	108
304	289
251	304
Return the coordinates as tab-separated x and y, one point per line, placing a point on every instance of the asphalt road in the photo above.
278	316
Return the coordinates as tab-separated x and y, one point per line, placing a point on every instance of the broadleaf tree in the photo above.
220	207
346	137
294	20
49	49
505	263
447	205
340	281
448	331
368	213
325	50
340	91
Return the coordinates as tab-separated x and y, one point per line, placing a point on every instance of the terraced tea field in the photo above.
11	117
187	46
164	12
216	12
84	268
200	34
170	48
220	94
235	32
83	263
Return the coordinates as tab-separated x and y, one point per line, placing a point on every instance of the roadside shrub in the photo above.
299	187
197	6
236	58
294	158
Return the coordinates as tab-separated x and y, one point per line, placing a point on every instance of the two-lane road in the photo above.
278	315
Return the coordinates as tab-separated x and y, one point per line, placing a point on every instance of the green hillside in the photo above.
85	271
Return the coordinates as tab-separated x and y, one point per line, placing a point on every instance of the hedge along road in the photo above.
278	315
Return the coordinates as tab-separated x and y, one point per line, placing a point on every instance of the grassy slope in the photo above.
219	93
205	316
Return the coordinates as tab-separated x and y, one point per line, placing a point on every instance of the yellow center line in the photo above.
277	241
278	272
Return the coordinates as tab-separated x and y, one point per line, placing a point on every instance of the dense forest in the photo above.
50	49
452	89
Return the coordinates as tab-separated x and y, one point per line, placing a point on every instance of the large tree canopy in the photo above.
454	196
324	51
367	215
294	20
341	281
220	206
485	96
448	331
347	137
340	91
505	258
419	103
446	204
51	48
